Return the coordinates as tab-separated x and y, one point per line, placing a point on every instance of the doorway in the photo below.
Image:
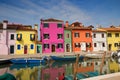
11	49
25	49
67	47
53	48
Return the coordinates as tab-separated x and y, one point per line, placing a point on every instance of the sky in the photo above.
88	12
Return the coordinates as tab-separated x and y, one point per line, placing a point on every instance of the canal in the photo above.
52	70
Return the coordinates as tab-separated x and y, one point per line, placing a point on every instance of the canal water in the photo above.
51	71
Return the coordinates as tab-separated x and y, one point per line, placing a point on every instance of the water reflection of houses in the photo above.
27	73
105	67
113	66
85	66
51	73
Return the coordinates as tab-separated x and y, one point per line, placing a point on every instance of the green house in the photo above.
67	39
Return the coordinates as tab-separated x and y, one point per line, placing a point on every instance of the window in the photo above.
12	36
87	35
19	37
68	35
46	36
60	36
18	47
116	44
102	35
32	46
116	34
46	46
59	25
94	35
32	37
76	34
95	45
103	44
88	45
60	45
46	25
109	35
77	44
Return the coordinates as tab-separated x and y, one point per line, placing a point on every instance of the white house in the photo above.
99	40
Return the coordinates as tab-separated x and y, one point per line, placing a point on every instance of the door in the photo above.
67	47
11	49
83	46
53	48
25	49
38	49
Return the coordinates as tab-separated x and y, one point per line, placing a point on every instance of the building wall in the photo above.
112	40
67	39
99	41
11	42
81	39
52	31
25	41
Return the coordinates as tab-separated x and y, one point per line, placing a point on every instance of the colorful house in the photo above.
7	38
67	38
26	40
99	40
81	37
113	38
52	35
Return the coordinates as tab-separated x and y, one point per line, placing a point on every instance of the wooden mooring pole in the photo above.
76	66
102	63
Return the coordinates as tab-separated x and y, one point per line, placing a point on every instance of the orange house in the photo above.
81	37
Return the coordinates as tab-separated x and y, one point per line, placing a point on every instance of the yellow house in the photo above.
113	38
26	38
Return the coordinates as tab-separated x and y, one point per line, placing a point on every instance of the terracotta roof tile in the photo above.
52	20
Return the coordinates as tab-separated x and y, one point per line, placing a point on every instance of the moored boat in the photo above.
4	61
27	60
7	76
66	58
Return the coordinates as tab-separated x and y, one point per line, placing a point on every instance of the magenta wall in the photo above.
53	30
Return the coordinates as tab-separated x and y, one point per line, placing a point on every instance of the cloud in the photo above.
43	9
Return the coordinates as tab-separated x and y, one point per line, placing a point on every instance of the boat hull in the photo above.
27	61
72	58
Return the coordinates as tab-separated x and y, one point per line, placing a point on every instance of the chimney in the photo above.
81	25
66	24
36	26
5	22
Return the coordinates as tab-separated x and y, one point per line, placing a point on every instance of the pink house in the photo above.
7	38
52	35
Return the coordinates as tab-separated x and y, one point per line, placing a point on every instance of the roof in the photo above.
98	31
78	26
18	27
52	20
111	29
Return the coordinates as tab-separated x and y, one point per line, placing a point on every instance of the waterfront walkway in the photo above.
50	54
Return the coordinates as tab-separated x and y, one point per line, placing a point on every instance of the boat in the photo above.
7	76
66	58
4	61
27	60
115	55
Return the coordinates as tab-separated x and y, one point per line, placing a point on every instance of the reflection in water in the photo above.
51	71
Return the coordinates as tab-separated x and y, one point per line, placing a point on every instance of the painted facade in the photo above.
113	38
52	35
81	37
26	41
99	40
3	38
67	38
